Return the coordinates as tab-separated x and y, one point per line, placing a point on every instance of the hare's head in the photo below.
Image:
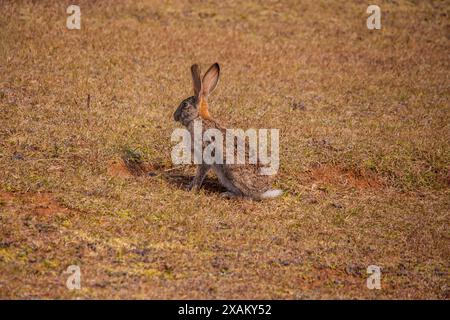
197	105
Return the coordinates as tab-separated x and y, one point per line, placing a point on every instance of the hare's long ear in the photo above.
210	79
196	80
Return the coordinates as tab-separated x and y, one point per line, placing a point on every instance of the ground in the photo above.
86	176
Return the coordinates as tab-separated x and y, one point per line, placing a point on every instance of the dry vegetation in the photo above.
85	170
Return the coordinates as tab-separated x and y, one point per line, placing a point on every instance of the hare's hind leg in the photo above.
229	195
196	183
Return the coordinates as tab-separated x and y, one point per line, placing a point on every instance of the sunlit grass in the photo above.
85	170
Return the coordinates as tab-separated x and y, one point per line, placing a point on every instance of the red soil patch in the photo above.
128	169
338	176
117	168
6	196
35	203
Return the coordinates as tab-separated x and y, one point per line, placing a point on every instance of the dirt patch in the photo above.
117	168
345	177
128	169
34	203
6	196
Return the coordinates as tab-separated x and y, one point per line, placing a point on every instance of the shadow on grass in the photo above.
182	181
134	165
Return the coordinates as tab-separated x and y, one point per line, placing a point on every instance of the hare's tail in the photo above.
272	194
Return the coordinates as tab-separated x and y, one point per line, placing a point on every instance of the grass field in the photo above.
86	176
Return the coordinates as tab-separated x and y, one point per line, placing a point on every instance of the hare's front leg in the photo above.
202	170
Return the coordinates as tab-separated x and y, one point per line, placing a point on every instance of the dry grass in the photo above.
365	160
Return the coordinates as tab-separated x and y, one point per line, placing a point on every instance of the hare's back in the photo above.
248	176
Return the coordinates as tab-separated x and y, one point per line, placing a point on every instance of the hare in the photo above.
241	180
